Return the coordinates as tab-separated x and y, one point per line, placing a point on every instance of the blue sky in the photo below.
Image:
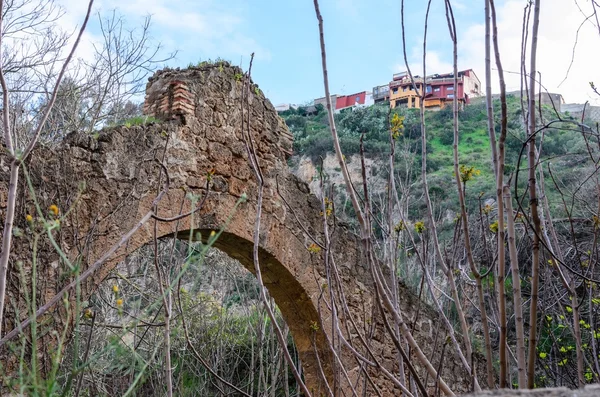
363	39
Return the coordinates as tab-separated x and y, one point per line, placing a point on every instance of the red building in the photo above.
348	101
439	89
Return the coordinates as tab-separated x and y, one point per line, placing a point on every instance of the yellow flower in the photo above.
569	309
115	288
419	227
314	326
54	209
543	355
396	125
119	302
88	313
467	173
29	218
314	248
399	227
494	227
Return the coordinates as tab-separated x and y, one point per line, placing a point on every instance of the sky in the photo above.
363	41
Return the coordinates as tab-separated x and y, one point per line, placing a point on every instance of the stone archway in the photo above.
199	140
121	175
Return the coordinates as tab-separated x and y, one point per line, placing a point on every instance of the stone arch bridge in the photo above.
199	136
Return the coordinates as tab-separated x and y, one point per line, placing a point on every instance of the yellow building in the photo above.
402	91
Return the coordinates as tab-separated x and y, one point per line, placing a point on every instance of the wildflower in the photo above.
420	227
209	174
548	318
399	227
487	209
314	248
468	173
29	218
563	349
314	326
494	227
53	209
563	362
543	355
115	288
88	313
569	309
212	233
396	125
328	207
119	302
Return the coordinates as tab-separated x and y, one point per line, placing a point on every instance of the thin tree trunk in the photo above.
533	200
461	197
334	135
499	170
447	269
516	282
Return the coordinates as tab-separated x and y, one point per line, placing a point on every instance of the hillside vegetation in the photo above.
312	138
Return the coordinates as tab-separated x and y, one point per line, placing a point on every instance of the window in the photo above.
436	89
357	99
450	96
395	90
451	88
403	89
428	89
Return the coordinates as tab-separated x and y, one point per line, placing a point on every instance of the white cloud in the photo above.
197	28
434	62
559	22
348	8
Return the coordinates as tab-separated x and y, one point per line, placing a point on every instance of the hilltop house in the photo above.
439	89
342	102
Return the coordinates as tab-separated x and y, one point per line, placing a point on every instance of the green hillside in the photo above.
561	144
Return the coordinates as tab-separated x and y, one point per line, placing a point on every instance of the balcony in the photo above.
445	80
406	82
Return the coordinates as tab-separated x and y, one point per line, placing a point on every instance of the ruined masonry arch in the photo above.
199	133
